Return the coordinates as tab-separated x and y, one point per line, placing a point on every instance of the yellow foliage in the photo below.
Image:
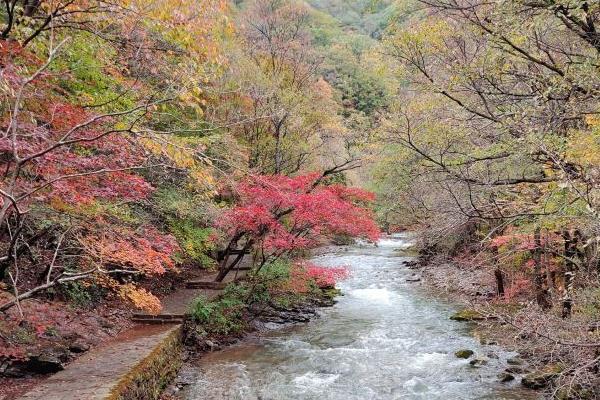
140	298
193	25
185	153
583	147
427	37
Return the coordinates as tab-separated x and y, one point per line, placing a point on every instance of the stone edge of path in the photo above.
135	365
150	376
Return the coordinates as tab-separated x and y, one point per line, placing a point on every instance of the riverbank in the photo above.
64	336
547	364
260	319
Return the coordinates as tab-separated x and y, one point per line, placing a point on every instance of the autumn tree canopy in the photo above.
124	122
279	215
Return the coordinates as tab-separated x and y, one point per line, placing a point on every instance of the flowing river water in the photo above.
385	339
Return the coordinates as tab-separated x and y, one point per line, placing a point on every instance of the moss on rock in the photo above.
468	315
464	353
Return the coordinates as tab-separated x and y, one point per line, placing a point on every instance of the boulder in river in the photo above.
514	361
505	377
478	362
516	369
464	353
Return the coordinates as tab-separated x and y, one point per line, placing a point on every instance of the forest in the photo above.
147	143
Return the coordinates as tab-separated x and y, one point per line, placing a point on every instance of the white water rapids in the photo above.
385	339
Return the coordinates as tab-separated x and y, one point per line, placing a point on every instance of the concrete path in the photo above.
95	375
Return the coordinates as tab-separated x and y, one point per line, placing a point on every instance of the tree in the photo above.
272	102
278	215
492	146
501	98
83	131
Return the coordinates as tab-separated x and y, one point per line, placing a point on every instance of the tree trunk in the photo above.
279	133
499	282
278	156
569	273
541	293
225	269
498	275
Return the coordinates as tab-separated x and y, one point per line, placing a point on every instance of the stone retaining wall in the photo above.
147	379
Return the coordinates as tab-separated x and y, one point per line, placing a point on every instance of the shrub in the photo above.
195	242
222	316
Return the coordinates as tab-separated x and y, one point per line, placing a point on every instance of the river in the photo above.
385	339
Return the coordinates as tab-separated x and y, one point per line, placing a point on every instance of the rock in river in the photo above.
505	377
541	379
464	353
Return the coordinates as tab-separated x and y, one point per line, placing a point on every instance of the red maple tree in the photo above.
277	215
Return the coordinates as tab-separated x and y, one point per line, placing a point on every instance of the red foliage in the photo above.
326	276
303	274
72	155
523	241
38	319
298	281
149	251
287	213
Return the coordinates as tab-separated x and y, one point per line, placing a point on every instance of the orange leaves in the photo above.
65	116
131	293
149	253
140	298
323	88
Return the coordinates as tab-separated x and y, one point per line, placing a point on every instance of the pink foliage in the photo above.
326	276
95	165
303	273
286	213
523	241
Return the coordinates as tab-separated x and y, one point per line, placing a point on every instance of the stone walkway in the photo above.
177	304
94	375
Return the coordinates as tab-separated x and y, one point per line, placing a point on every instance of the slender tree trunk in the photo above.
279	133
278	156
499	282
225	269
569	273
548	275
541	293
498	275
